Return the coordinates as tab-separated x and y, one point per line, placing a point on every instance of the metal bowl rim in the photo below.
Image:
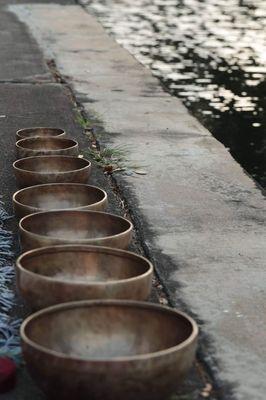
59	184
85	248
47	173
39	127
56	138
191	338
81	241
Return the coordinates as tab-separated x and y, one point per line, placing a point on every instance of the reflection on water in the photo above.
211	54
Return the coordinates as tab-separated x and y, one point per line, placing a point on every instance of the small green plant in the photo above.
83	122
110	158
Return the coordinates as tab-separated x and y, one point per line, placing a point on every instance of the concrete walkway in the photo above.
200	216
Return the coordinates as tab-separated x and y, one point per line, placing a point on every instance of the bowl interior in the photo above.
31	132
75	225
85	266
59	196
108	331
51	164
46	143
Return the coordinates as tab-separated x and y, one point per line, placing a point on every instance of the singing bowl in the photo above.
70	273
39	131
58	196
44	146
51	169
109	349
74	227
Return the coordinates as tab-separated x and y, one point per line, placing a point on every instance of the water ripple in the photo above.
211	54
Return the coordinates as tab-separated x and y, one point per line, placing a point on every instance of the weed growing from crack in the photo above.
83	122
110	159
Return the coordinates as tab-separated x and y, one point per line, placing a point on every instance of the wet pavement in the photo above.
211	54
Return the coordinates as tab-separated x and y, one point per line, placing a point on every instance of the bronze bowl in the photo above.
58	196
51	169
70	273
39	131
109	350
44	146
74	227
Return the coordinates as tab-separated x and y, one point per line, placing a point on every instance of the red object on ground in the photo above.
7	374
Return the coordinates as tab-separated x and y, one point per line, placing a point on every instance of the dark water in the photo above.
209	53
